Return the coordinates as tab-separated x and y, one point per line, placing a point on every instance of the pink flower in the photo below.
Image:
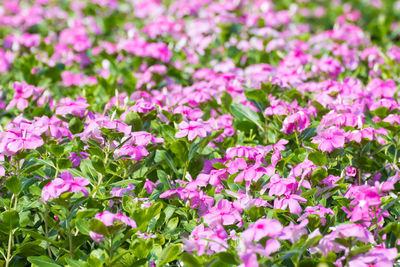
296	122
69	106
136	153
379	256
192	130
294	232
67	183
207	240
260	229
380	88
317	210
291	201
120	192
12	142
223	213
351	171
108	219
330	139
23	91
149	186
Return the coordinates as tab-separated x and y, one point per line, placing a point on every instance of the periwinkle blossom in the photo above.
192	130
223	213
67	183
330	139
366	204
294	232
378	256
382	89
290	200
318	210
120	192
12	142
69	106
298	121
76	158
135	152
108	219
328	242
23	92
248	246
205	240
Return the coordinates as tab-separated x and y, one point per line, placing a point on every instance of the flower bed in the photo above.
199	133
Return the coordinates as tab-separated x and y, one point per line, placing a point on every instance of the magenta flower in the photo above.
69	106
296	122
149	186
294	232
120	192
136	153
260	229
12	142
291	201
192	130
108	219
223	213
23	91
378	256
330	139
67	183
207	240
317	210
380	88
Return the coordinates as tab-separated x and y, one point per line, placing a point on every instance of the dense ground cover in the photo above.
199	133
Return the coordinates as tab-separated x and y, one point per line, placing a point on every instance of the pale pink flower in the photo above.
330	139
192	130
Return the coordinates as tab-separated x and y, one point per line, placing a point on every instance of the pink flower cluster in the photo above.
108	219
67	183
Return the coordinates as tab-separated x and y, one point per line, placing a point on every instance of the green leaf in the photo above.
318	174
64	163
168	133
172	224
228	258
57	150
98	164
10	219
13	184
226	100
82	226
243	113
163	177
190	260
98	227
318	158
180	150
218	165
43	261
75	125
75	263
381	112
171	253
256	94
196	166
308	133
133	119
31	168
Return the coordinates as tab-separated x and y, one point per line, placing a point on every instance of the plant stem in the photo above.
71	252
297	139
8	259
10	235
110	250
46	229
